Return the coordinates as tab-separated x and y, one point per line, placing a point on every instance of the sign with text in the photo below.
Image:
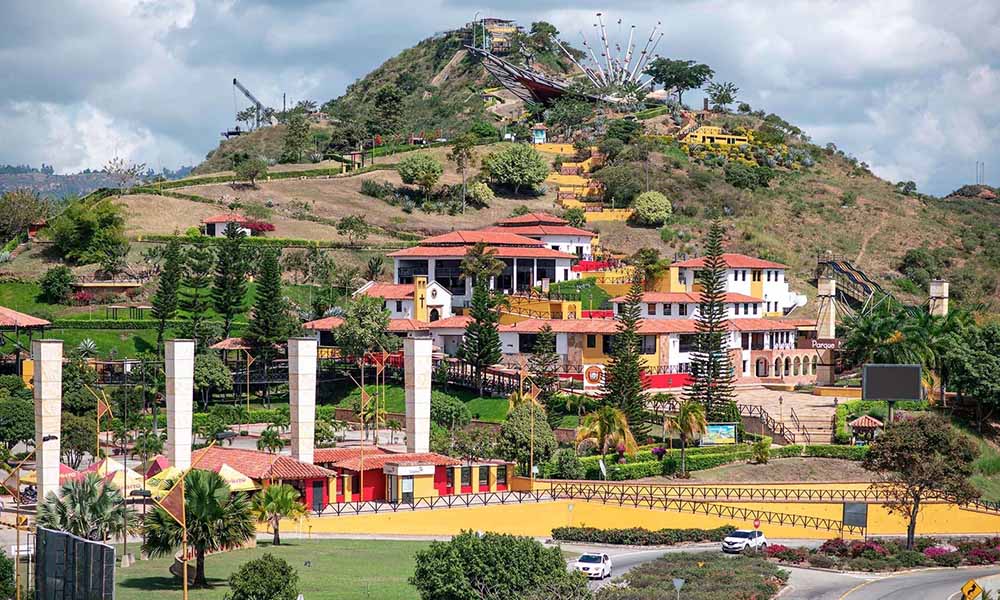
719	433
819	344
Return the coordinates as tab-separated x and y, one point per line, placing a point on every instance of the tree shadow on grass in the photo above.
156	583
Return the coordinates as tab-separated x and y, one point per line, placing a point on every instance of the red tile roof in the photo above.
687	297
226	218
468	238
333	455
733	261
646	326
10	318
498	251
256	464
866	422
742	324
381	460
457	321
389	291
324	324
798	322
539	230
233	343
534	218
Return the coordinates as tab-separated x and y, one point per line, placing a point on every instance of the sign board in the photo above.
404	470
604	469
756	523
971	590
891	382
678	583
719	433
819	344
855	514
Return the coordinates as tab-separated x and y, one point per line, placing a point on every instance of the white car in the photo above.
745	540
594	566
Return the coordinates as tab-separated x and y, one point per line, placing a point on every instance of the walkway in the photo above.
797	410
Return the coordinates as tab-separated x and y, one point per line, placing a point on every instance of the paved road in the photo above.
936	584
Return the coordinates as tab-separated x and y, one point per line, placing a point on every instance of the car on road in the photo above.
744	540
593	565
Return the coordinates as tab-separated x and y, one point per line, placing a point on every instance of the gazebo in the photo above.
12	324
865	428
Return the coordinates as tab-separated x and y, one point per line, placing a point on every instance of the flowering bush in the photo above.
659	452
869	549
83	297
786	554
834	547
935	551
982	556
259	226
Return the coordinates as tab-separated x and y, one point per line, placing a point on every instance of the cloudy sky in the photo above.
911	87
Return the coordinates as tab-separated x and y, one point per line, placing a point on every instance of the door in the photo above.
391	492
317	496
407	489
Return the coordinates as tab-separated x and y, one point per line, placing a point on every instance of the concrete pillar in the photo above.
826	327
302	396
418	372
938	304
47	356
180	398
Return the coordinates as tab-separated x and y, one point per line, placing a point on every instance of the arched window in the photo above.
435	315
815	360
788	366
797	366
777	367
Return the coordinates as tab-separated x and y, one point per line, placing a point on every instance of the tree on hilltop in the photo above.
679	75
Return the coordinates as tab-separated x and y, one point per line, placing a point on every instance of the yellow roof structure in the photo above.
158	484
238	482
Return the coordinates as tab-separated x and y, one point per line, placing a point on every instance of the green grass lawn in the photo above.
341	570
590	295
487	409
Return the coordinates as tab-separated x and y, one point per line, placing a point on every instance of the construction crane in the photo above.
257	104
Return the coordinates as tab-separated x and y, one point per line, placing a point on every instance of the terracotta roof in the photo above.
457	321
534	218
12	318
233	343
324	324
537	230
226	218
866	422
333	455
468	238
733	261
646	326
381	460
798	322
389	291
687	297
742	324
540	126
402	325
256	464
498	251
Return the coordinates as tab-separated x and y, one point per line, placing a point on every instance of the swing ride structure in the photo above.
615	71
258	106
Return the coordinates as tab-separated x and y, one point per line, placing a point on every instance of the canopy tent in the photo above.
161	482
238	482
12	324
65	474
117	474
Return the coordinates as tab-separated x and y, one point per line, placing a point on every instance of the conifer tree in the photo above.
164	303
229	289
712	374
196	294
623	375
481	344
544	368
270	323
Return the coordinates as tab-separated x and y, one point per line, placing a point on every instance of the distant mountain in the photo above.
47	183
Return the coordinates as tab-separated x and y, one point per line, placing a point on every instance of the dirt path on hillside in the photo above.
869	236
445	71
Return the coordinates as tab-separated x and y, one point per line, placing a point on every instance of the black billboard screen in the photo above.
891	382
855	514
72	568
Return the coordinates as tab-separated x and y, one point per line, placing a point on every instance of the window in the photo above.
451	477
649	344
606	344
526	342
356	484
651	309
744	366
466	476
755	276
687	342
591	340
668	309
755	308
746	308
399	306
502	475
682	309
565	275
768	275
484	475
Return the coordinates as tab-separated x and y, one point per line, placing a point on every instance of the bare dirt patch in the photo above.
813	470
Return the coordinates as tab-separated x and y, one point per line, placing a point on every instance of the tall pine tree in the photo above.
712	373
270	323
165	299
229	288
481	344
624	385
196	294
544	368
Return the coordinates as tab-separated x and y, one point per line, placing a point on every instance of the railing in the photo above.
753	410
800	427
373	507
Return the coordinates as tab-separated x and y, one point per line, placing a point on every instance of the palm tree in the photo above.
89	508
216	520
689	422
518	398
393	426
606	426
147	444
270	441
277	502
481	261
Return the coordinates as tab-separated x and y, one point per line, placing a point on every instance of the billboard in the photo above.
855	514
72	568
891	382
719	433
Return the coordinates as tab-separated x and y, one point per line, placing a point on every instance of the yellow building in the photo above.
709	134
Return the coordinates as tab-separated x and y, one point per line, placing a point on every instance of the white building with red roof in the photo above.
748	275
555	232
417	300
215	226
527	262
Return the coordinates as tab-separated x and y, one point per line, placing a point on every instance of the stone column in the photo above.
418	371
180	397
826	327
938	304
302	396
47	356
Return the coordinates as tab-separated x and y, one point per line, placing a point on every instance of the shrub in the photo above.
264	578
834	547
638	536
844	452
867	564
516	166
869	549
57	285
786	554
565	464
821	561
576	217
480	195
420	170
6	576
376	189
910	558
760	451
948	559
651	208
982	556
83	297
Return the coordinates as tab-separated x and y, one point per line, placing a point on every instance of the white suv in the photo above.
744	540
593	565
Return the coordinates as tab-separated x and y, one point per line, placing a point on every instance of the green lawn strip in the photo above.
341	570
586	290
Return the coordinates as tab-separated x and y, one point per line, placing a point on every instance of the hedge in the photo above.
842	433
844	452
638	536
257	415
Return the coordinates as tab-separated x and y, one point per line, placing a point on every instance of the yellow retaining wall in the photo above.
556	148
840	392
617	214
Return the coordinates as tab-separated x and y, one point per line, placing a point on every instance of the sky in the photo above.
909	86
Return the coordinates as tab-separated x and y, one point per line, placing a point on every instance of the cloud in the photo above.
906	85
